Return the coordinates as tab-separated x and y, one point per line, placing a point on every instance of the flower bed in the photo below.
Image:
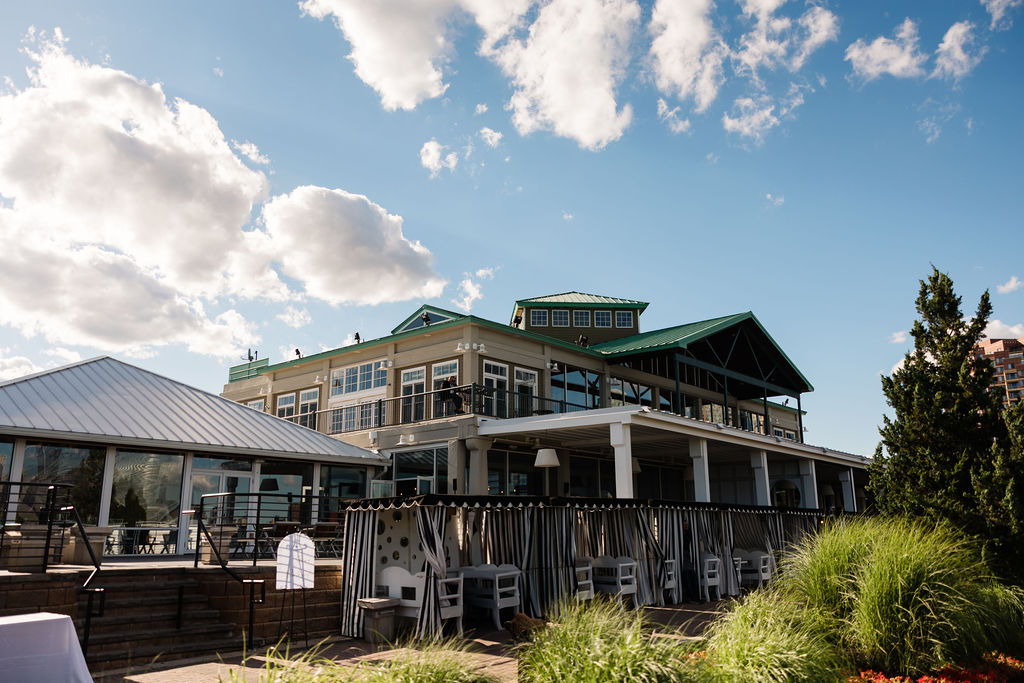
995	668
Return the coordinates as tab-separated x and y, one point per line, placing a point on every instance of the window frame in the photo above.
598	324
577	315
291	403
560	311
623	313
538	314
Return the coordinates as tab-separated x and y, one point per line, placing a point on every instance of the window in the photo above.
51	463
581	318
560	318
286	405
776	431
602	318
413	387
538	318
257	404
309	400
446	402
356	378
424	470
496	380
526	392
623	318
790	435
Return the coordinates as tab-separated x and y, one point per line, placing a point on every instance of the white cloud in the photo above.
999	10
218	71
952	59
936	116
899	58
997	329
480	109
566	216
311	227
670	117
686	51
250	151
433	158
12	367
399	48
898	337
775	200
1011	285
818	26
295	317
753	117
471	289
711	158
491	137
63	355
566	71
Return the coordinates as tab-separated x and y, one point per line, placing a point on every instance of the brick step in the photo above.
141	584
140	655
146	637
136	602
118	621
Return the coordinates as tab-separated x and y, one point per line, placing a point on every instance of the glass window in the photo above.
362	377
147	489
201	463
308	404
581	318
6	455
413	388
286	405
623	318
602	318
560	318
523	478
431	463
538	318
340	481
497	473
82	467
282	478
257	404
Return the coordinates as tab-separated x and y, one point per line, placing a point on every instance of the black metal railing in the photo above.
469	399
91	593
35	528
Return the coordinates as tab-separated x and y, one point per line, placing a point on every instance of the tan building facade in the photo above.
1007	356
461	404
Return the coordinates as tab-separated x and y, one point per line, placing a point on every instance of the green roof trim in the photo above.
582	300
237	373
682	336
443	314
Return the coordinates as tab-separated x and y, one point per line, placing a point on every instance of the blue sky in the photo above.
182	181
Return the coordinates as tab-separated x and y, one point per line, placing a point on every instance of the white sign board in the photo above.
296	556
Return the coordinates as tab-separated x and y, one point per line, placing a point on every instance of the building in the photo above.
1007	356
708	411
139	450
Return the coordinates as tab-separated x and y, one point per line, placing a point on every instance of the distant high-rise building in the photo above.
1007	355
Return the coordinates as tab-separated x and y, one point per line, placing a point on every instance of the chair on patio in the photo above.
758	568
397	582
615	576
710	577
584	579
492	588
323	535
671	576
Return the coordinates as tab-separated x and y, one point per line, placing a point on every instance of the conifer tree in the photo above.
950	452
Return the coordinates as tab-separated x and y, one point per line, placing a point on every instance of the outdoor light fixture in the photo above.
553	366
546	457
269	485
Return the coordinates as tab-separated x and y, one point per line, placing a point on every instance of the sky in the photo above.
182	182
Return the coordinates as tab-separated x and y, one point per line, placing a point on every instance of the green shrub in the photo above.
769	637
602	642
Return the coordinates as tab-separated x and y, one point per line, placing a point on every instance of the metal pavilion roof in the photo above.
583	300
106	400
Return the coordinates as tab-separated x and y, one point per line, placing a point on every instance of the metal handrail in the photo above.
90	592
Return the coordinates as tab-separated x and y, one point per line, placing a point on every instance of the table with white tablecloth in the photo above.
41	648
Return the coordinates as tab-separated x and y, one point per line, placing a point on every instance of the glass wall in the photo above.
579	389
424	470
513	474
290	481
623	392
80	466
591	478
663	483
145	501
338	482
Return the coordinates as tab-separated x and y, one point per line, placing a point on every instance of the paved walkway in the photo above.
492	651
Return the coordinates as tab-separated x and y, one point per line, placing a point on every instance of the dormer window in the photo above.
560	318
538	317
581	318
624	319
602	318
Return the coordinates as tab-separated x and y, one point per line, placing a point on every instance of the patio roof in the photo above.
104	400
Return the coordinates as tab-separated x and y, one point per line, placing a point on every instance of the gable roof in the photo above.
436	315
583	300
683	337
106	400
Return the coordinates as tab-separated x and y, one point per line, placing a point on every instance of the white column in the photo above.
456	467
849	491
701	479
478	464
186	504
809	479
759	465
623	460
107	487
314	506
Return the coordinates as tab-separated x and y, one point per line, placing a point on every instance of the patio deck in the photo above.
493	652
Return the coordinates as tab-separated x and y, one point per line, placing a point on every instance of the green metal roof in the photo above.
436	315
583	300
681	336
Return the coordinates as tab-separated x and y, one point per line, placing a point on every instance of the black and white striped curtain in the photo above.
615	533
670	527
430	521
506	537
551	565
714	530
358	542
652	557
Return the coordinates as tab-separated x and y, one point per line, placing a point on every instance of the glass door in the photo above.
225	510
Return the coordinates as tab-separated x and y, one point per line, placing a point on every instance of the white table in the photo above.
41	648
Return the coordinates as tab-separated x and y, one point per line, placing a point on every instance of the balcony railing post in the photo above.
256	528
51	499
